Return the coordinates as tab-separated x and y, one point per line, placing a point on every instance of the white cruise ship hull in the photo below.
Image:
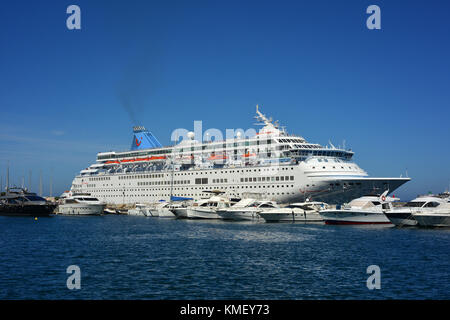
353	217
299	190
81	209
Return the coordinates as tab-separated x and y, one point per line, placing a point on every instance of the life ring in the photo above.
383	198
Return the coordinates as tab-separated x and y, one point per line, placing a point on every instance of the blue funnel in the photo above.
143	139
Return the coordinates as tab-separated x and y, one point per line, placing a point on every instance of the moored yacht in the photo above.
207	208
81	204
363	210
20	202
422	207
435	211
246	209
140	209
162	210
296	212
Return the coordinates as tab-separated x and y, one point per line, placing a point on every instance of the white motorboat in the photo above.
363	210
180	209
81	204
109	211
162	210
140	209
246	209
430	209
207	208
296	212
434	211
180	212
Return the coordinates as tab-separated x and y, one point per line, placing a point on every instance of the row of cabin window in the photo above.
160	175
259	179
183	194
99	178
194	188
155	183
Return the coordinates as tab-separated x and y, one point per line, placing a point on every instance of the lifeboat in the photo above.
249	155
136	160
218	157
112	162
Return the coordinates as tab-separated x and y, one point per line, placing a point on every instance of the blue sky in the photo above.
67	94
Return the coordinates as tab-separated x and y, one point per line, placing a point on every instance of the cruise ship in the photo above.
281	167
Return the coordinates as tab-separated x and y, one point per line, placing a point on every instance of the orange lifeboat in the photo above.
248	155
218	157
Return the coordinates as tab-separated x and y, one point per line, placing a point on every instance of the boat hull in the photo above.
138	212
401	218
202	214
27	210
165	213
347	217
433	219
289	215
239	215
81	209
180	213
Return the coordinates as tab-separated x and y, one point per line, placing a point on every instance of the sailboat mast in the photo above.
40	183
7	178
51	183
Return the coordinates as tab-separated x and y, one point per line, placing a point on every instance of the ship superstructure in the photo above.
279	166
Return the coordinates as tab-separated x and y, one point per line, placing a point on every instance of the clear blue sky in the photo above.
66	95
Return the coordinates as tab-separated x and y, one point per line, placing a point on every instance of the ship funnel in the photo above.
143	139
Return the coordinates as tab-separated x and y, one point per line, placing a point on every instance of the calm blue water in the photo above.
124	257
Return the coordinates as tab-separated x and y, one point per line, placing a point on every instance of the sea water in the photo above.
126	257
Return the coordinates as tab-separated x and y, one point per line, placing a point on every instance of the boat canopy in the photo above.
172	198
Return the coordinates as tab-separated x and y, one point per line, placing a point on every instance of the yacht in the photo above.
421	206
20	202
207	208
246	209
434	211
295	212
140	209
162	210
363	210
81	204
180	211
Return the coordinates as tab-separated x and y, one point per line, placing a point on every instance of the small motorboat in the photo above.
306	212
363	210
246	209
